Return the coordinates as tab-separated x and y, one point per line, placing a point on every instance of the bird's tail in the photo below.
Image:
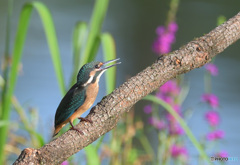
54	134
57	129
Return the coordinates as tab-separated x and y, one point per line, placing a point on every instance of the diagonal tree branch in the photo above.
106	114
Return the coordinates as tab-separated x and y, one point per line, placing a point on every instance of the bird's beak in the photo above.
104	67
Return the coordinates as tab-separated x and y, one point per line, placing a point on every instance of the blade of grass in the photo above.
109	54
79	36
146	145
182	123
52	41
6	52
21	33
99	13
38	141
99	142
94	49
36	138
1	82
17	52
92	155
3	123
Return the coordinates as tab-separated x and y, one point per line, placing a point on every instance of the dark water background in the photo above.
132	24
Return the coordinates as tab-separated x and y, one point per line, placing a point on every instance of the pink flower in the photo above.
175	129
212	117
65	163
156	123
147	109
178	150
173	27
219	134
151	120
160	125
223	154
211	99
212	69
166	37
215	135
170	87
160	47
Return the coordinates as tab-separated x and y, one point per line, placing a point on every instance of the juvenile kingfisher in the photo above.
81	95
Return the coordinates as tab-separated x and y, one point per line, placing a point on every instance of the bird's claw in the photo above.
84	119
73	128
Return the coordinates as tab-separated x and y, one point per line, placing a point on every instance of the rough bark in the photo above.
106	114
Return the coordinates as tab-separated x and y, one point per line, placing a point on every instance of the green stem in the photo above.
3	115
172	11
146	145
79	37
92	43
207	82
99	143
6	53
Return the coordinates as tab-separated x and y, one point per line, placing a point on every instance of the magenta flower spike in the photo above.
212	69
215	135
170	87
178	151
173	27
222	154
65	163
165	38
212	117
156	123
211	99
147	109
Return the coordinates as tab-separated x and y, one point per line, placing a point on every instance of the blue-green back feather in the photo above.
74	98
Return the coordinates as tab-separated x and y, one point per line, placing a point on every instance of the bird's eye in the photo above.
97	66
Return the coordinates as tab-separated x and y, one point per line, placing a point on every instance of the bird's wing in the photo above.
74	98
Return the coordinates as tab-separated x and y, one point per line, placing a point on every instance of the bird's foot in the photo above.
73	128
84	119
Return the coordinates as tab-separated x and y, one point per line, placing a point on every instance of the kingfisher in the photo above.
81	95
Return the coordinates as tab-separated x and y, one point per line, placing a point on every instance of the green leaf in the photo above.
52	41
99	142
92	155
146	144
79	37
3	123
109	53
92	43
132	156
1	81
40	141
220	20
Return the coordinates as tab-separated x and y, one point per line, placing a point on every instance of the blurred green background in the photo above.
132	24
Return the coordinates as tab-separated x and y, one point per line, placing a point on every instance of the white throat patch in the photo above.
98	77
89	81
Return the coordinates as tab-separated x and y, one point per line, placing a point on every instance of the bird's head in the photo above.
91	72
